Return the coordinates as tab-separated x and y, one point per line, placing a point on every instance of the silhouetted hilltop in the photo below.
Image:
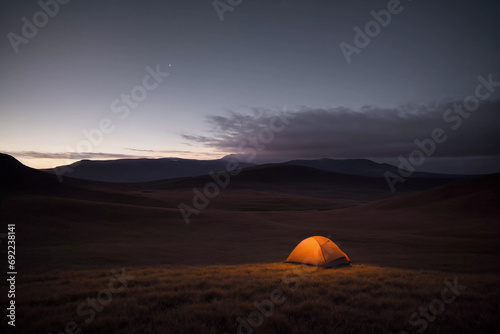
363	167
141	170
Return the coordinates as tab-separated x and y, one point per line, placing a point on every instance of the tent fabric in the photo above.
318	251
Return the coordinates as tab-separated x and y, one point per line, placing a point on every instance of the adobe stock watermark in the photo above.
373	28
265	308
251	145
121	106
30	28
222	6
454	118
436	307
91	306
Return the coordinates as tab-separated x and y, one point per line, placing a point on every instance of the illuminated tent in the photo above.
318	251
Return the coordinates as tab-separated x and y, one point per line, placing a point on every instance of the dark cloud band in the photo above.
369	132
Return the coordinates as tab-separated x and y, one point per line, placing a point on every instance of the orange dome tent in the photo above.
319	251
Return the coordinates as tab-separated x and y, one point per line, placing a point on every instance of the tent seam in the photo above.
322	254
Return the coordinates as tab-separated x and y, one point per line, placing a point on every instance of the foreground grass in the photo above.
215	299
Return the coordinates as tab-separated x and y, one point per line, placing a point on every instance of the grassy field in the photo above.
259	298
67	234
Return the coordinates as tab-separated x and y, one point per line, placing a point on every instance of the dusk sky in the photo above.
227	78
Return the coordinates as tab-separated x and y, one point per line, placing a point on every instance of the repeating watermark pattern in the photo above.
454	118
265	308
363	37
250	144
436	307
30	28
223	6
121	106
91	306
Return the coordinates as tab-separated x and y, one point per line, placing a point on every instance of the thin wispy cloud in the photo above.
70	155
101	155
174	152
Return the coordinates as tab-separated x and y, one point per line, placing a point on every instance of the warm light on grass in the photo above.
357	299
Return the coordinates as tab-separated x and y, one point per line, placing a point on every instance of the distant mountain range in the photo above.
254	185
287	178
143	170
362	167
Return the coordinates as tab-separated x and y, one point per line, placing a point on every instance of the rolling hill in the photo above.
140	170
302	180
19	180
363	167
276	178
259	217
143	170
